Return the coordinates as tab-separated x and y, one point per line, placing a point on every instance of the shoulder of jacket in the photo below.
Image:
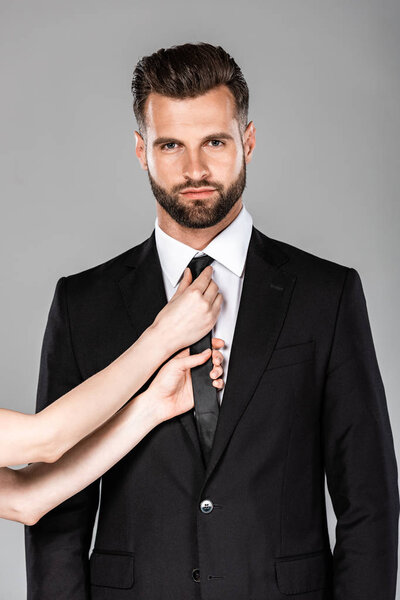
307	260
108	269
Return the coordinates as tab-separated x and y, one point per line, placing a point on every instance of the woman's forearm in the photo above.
46	436
38	488
10	496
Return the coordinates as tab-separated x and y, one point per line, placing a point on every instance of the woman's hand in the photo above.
191	312
172	387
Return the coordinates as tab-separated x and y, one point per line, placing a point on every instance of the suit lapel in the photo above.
144	296
264	303
143	287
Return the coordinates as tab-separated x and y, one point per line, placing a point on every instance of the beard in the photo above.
198	214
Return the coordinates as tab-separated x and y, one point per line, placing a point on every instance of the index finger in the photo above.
202	281
217	342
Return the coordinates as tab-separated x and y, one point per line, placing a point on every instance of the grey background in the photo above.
324	96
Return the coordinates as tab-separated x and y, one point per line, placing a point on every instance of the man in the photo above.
303	393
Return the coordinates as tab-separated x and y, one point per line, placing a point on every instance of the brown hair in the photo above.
187	71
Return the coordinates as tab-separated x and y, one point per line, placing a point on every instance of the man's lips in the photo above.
197	190
198	193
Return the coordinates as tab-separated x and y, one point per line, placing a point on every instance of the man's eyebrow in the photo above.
221	135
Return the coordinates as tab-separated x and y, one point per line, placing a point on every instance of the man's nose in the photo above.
195	166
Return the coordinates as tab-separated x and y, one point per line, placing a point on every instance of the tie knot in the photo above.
198	263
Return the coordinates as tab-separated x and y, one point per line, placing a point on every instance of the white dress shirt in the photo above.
229	251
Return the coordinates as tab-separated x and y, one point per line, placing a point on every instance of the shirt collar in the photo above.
229	248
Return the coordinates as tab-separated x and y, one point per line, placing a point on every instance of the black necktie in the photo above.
206	405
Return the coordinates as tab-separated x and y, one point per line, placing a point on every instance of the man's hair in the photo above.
187	71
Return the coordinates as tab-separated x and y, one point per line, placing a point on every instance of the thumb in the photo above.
188	362
182	353
184	282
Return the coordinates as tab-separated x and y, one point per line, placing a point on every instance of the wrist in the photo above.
150	408
162	340
151	343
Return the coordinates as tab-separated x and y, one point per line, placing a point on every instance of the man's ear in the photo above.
141	150
249	141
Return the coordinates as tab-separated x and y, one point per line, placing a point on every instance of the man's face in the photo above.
195	155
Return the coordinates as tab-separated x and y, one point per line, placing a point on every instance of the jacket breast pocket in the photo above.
304	573
112	569
291	355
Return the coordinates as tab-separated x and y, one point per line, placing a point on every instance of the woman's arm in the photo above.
29	493
44	437
47	435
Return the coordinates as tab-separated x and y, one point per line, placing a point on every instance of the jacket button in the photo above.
206	506
196	575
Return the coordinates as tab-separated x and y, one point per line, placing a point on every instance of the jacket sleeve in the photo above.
57	547
359	457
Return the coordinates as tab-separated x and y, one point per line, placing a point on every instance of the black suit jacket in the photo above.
304	396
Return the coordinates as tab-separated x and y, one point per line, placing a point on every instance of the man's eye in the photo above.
218	142
168	145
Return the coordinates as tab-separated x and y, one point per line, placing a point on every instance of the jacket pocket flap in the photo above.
305	574
111	569
289	355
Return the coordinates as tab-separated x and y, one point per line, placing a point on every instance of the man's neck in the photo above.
195	238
